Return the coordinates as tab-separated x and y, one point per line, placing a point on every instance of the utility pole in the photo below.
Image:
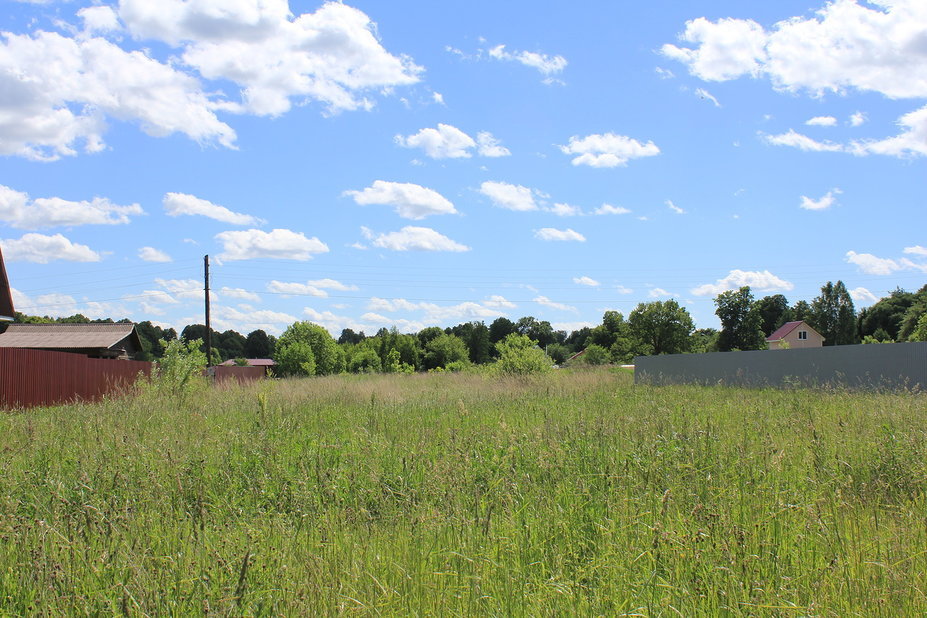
208	326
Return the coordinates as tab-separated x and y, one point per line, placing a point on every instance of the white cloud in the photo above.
821	121
608	209
310	288
726	49
159	297
565	210
546	302
438	98
509	196
99	19
188	289
802	142
150	254
63	305
20	211
332	56
586	281
43	249
607	150
411	238
547	65
823	203
272	322
872	265
549	233
281	244
763	281
410	201
65	88
496	301
664	73
432	312
676	209
707	96
857	119
489	146
916	250
177	204
623	290
445	142
658	293
240	293
862	295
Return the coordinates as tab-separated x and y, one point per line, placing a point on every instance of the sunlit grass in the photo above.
460	494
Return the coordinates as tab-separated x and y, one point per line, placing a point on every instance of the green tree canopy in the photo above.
328	356
663	326
741	324
774	312
444	350
519	355
833	315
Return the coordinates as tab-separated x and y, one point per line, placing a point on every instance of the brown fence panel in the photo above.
41	378
229	373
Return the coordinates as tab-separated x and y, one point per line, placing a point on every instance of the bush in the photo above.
519	355
180	369
294	358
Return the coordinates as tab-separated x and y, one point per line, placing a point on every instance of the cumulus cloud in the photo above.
624	290
497	301
916	250
857	119
318	288
18	210
658	293
586	281
281	244
433	313
763	281
43	249
608	209
565	210
547	65
272	322
862	295
62	305
823	203
676	209
509	196
411	238
240	294
848	45
489	146
607	150
188	289
550	233
445	142
177	204
150	254
332	56
802	142
410	201
821	121
872	265
546	302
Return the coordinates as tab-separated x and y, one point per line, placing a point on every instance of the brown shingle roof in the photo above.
64	336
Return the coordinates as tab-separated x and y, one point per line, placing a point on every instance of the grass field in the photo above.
455	494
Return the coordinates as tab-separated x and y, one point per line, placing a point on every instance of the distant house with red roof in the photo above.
266	363
795	335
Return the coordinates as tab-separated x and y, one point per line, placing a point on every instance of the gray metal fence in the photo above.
875	366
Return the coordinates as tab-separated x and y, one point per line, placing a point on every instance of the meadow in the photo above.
576	493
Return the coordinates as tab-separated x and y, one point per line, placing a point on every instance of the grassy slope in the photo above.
463	495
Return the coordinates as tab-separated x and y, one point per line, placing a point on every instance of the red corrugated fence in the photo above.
228	373
39	378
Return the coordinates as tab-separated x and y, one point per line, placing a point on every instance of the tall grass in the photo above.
456	494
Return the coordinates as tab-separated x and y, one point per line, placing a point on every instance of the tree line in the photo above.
658	327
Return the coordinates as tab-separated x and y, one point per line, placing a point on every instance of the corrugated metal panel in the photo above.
64	335
876	366
39	377
225	373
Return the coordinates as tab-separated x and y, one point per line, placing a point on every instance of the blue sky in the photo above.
412	163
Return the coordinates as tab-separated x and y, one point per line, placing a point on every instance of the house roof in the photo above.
6	297
68	336
783	331
253	362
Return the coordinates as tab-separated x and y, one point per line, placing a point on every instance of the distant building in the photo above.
793	335
6	297
266	363
119	341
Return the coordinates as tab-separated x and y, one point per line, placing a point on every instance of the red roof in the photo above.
254	362
785	329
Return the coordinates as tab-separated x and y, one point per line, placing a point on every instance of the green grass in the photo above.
456	494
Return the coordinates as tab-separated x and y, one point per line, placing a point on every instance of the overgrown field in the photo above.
454	494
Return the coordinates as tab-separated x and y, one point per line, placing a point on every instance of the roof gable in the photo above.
783	331
6	296
65	336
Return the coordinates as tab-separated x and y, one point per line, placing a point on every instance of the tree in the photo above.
740	322
594	355
920	329
833	315
912	317
704	340
519	356
886	315
663	326
541	332
774	312
259	344
444	350
349	336
294	358
500	329
801	310
365	360
328	356
426	335
476	336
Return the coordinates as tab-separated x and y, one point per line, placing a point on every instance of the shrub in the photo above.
518	355
180	369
